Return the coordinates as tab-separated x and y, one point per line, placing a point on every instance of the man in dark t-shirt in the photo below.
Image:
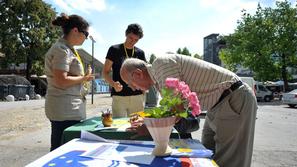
126	99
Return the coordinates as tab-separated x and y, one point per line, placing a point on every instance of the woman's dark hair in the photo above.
135	29
69	22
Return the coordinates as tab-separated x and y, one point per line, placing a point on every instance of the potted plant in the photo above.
177	101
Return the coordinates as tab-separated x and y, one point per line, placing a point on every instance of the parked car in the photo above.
290	98
277	90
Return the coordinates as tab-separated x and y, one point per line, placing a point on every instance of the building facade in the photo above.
87	60
211	48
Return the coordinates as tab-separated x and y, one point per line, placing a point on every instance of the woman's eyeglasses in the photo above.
86	33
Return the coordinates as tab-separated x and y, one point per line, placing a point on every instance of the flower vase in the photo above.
160	130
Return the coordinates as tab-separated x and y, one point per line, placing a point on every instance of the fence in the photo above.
100	86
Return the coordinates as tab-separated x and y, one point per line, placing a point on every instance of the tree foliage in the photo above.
264	42
197	56
26	33
186	52
183	51
179	51
152	58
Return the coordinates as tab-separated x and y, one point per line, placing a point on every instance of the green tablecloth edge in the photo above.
90	124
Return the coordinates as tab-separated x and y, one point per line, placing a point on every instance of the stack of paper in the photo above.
121	152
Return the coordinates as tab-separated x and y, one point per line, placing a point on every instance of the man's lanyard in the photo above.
127	56
79	59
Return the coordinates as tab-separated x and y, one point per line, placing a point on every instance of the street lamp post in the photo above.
93	41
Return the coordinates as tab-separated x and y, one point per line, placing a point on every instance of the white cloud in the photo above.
222	19
227	13
85	6
227	5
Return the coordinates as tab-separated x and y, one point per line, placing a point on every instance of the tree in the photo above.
25	33
152	58
184	51
264	42
179	51
197	56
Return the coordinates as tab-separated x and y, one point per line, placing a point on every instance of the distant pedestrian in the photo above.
65	103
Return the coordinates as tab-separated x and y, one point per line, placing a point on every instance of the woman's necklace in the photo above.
127	56
79	59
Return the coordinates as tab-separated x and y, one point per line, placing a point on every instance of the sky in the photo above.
167	24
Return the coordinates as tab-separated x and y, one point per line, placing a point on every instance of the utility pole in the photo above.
93	70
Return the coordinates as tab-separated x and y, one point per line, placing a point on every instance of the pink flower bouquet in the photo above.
177	100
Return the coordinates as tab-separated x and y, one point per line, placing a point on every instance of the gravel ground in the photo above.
25	130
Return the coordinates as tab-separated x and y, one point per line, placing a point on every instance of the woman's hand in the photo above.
89	76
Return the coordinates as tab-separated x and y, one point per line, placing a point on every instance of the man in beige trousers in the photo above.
230	104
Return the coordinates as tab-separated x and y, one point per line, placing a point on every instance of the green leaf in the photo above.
183	114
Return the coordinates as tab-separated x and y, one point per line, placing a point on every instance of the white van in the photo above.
262	93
